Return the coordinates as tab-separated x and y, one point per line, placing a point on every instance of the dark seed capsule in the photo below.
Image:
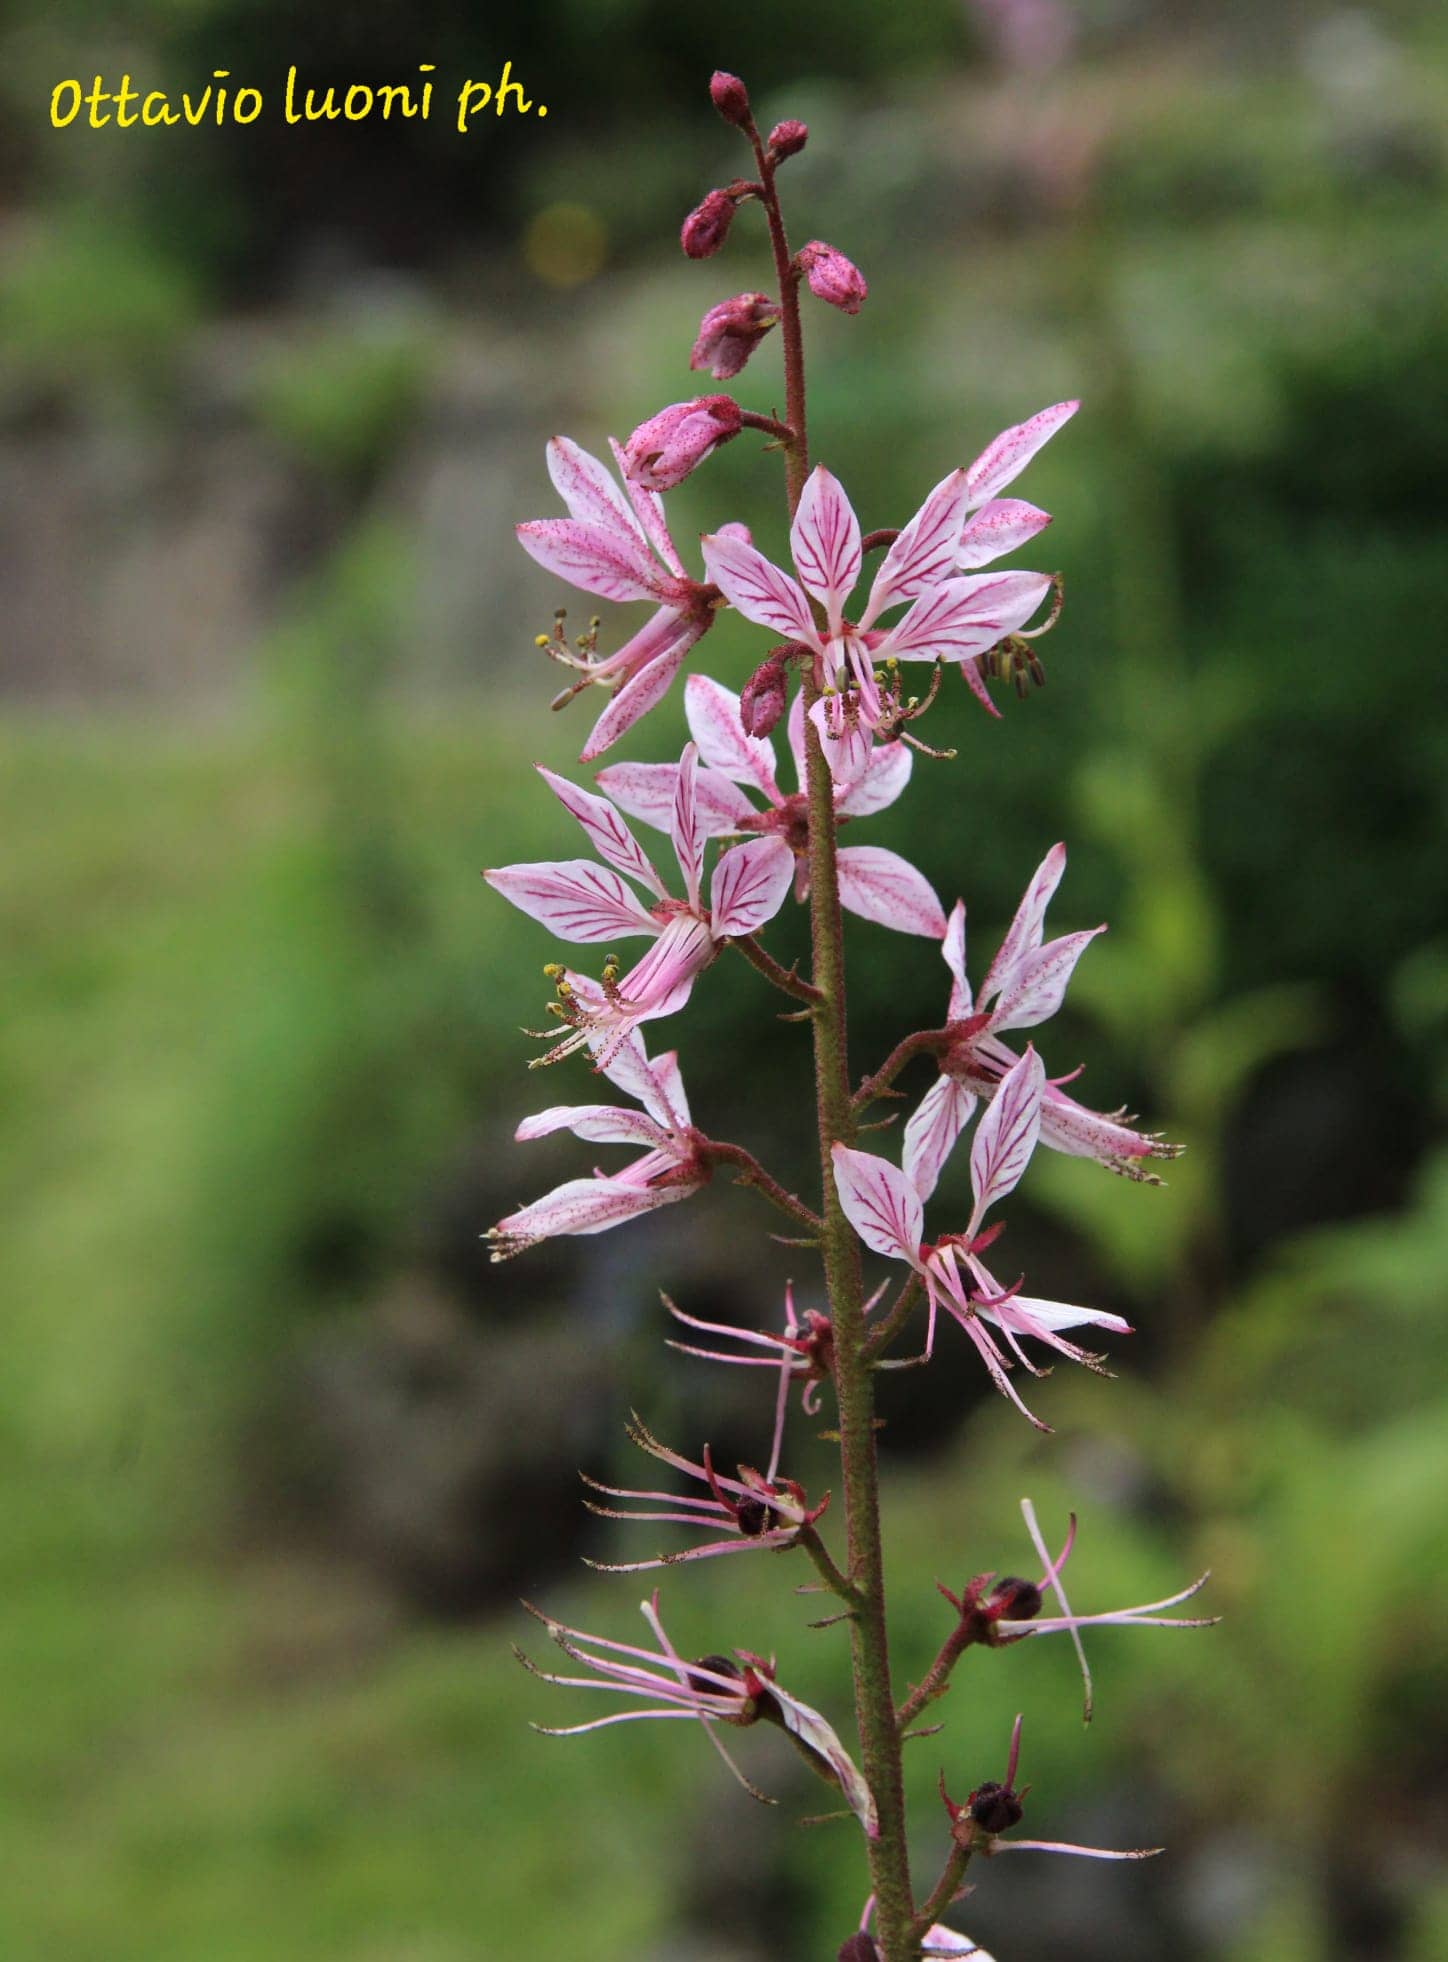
1020	1599
995	1807
717	1665
753	1517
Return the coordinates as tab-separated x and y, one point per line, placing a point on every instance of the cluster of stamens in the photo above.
580	654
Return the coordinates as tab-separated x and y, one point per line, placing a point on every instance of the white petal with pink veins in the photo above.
644	790
1036	986
880	1203
848	751
687	832
1056	1315
824	542
649	510
1006	1135
1002	461
1025	932
952	949
965	616
930	1136
924	554
639	694
881	782
998	528
881	886
588	490
615	565
759	590
713	715
605	831
585	1206
750	884
575	898
596	1123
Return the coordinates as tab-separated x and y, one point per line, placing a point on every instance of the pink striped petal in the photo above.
595	560
643	790
1002	461
824	541
656	1085
795	731
1026	930
1056	1315
880	1203
1006	1135
590	493
597	1123
605	830
965	616
881	886
848	752
1037	985
1001	527
649	510
882	781
713	715
942	1114
750	884
757	589
687	832
584	1206
952	949
639	694
575	898
924	554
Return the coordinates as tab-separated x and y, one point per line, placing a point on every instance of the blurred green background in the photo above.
279	1449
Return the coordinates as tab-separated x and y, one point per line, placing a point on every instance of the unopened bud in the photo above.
787	139
762	698
662	451
707	225
730	97
832	277
995	1807
730	332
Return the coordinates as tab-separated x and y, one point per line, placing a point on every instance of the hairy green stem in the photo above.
854	1382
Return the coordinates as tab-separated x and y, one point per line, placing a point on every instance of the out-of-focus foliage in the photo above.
278	1446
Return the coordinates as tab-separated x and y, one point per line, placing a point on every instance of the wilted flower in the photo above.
1024	987
805	1352
754	1510
671	1167
951	618
618	548
583	902
832	276
885	1208
995	1806
730	332
662	451
713	1690
707	225
875	883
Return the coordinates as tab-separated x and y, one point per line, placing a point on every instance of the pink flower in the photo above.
711	1691
950	618
1008	1610
671	1166
885	1208
618	548
832	276
583	902
662	451
730	332
1024	986
707	225
753	1509
876	884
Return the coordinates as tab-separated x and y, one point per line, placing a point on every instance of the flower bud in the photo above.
787	139
662	451
730	97
995	1807
762	698
707	225
730	332
832	277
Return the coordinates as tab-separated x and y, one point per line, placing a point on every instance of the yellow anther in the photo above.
541	640
552	969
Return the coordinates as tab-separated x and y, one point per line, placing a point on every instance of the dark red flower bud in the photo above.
832	277
995	1807
763	697
707	225
787	139
730	97
859	1948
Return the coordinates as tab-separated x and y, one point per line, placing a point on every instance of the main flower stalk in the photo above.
840	1249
